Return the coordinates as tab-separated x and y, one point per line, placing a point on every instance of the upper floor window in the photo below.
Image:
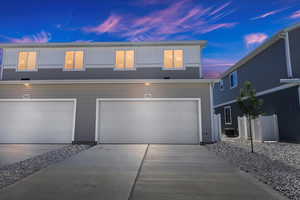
74	60
221	85
124	59
173	59
27	61
233	79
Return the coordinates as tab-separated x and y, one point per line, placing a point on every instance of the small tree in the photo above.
250	105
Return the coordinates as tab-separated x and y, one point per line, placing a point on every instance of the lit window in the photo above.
233	79
227	115
173	59
74	60
27	61
124	59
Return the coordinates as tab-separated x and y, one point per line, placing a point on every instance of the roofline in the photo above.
201	43
108	81
259	49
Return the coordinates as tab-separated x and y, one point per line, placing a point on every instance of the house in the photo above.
266	68
105	92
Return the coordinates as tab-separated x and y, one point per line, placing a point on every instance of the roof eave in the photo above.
201	43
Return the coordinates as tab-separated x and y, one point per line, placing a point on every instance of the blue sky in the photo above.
232	28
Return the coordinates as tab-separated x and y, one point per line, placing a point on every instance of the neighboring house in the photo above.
106	92
278	58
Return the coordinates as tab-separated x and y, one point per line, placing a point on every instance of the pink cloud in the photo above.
41	37
222	7
169	22
213	68
109	25
255	38
216	27
295	15
268	14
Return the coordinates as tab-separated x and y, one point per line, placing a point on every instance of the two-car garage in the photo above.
170	120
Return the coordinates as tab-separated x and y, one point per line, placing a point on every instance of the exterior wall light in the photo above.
26	84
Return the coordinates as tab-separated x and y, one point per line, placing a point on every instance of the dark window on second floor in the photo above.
233	79
221	85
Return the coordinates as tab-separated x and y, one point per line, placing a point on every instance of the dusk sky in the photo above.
232	28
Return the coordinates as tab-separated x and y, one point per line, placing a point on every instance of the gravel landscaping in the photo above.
275	164
12	173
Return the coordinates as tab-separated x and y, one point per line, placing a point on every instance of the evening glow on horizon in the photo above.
232	28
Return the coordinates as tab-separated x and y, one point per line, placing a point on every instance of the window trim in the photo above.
222	88
36	62
125	68
73	69
172	68
230	113
230	82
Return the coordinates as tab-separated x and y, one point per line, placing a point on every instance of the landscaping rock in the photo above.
275	164
12	173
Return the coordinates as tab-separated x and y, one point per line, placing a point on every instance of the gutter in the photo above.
109	81
295	81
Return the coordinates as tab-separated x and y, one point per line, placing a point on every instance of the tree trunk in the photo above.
250	132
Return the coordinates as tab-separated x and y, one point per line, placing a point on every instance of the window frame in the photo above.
230	114
222	84
230	81
74	69
125	68
173	68
36	61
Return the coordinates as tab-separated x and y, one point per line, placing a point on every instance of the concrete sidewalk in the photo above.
102	172
190	172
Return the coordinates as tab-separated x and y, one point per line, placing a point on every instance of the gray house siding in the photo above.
103	73
86	95
264	71
284	103
294	37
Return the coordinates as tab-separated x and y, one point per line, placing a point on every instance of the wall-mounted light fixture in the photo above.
26	84
147	84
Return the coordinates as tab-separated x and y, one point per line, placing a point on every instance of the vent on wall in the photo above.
25	79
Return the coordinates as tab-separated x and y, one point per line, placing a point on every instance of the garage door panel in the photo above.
140	121
36	121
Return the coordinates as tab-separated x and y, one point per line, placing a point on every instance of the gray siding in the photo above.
294	37
264	71
86	95
103	73
284	103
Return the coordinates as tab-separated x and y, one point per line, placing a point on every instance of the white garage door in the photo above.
148	121
37	121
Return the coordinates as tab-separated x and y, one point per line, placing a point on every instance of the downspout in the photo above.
2	64
212	112
288	55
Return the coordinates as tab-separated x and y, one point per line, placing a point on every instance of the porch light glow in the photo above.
147	84
26	84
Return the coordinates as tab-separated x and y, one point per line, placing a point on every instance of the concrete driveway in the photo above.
12	153
140	172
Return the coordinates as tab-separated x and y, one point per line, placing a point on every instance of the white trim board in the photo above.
90	81
272	90
98	100
50	100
